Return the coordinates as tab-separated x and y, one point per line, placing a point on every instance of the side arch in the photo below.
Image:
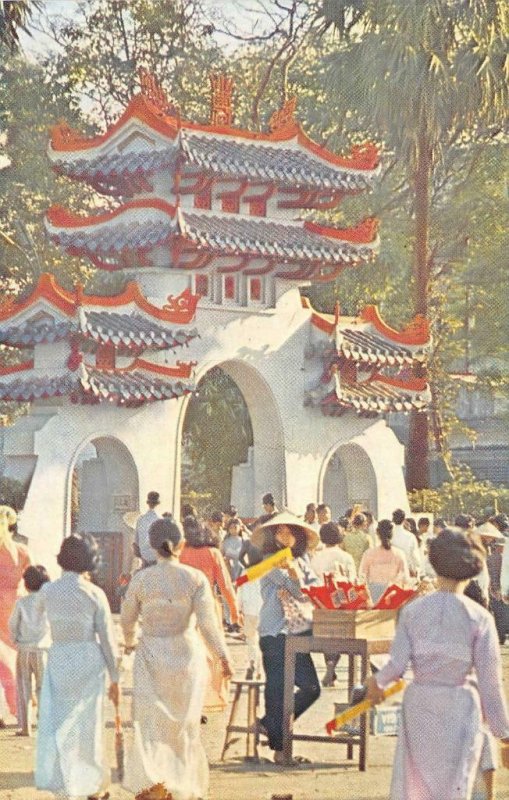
367	469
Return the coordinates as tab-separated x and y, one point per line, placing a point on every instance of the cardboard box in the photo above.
385	720
367	624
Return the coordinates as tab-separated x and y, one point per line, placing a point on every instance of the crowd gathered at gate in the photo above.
191	589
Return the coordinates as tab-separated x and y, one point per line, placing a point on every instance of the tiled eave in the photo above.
373	398
143	225
365	348
124	331
131	387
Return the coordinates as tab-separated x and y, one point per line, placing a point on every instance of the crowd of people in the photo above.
58	651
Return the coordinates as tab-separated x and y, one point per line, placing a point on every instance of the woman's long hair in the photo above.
384	530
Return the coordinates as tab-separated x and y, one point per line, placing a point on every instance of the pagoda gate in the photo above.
209	235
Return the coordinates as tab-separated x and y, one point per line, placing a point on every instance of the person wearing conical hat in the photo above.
14	559
284	530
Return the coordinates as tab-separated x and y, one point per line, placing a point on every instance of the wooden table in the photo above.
330	646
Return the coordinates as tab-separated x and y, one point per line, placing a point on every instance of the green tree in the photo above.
98	53
14	17
431	79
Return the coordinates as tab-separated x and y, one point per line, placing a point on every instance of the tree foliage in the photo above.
101	49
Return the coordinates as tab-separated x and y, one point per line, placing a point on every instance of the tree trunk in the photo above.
417	467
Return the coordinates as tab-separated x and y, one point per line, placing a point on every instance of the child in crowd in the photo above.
30	633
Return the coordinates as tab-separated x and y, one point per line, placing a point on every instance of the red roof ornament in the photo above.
366	155
283	121
184	303
63	137
153	91
221	108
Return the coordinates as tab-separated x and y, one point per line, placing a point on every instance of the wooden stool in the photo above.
250	729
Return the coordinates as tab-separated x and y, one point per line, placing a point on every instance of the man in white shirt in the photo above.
407	542
141	546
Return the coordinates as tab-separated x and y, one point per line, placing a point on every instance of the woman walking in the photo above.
380	566
70	759
14	559
452	646
284	530
170	674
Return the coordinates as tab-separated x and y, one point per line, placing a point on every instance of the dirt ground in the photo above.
329	776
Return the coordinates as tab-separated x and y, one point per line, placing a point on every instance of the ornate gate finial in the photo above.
153	91
283	120
221	111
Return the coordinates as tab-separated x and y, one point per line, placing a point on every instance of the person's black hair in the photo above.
359	521
330	533
344	523
164	535
348	513
234	521
268	499
216	516
398	516
456	554
322	507
384	530
188	510
231	511
440	523
369	516
79	553
311	506
194	533
271	545
464	521
34	577
423	521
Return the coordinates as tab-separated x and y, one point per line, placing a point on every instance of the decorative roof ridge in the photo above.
415	333
60	217
363	157
180	309
46	288
66	139
11	369
410	384
365	232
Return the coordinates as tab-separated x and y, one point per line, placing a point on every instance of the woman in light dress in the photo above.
170	668
70	758
451	644
14	559
383	565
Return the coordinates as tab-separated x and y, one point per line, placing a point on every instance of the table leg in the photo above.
251	738
231	721
363	748
288	703
351	680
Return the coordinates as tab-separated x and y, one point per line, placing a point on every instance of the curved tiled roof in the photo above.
129	387
220	233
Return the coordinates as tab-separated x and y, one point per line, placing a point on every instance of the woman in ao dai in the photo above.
451	644
170	668
70	759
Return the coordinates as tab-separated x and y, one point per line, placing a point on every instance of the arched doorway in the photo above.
348	478
104	486
258	466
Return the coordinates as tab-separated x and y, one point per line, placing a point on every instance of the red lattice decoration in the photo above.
221	108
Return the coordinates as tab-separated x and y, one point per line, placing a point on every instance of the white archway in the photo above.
348	477
265	469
